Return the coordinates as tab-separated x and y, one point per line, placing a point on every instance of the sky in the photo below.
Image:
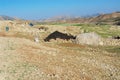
38	9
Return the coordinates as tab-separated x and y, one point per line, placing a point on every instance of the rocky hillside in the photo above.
103	17
106	18
23	59
111	18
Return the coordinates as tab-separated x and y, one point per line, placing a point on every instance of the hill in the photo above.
106	18
111	18
3	17
23	59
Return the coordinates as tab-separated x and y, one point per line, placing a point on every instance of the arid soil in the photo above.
23	59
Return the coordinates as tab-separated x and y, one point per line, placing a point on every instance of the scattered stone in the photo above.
36	39
63	60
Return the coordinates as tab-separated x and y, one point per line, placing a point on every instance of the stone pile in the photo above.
89	39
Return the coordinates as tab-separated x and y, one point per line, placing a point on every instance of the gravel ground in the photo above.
23	59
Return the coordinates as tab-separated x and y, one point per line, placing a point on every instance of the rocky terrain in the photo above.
22	58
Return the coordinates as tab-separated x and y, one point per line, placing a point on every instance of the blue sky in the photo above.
36	9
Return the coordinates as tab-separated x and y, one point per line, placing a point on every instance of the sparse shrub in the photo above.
7	28
78	24
117	23
31	24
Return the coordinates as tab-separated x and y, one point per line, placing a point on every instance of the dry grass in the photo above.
23	59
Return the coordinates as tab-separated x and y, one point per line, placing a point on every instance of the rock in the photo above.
36	39
89	39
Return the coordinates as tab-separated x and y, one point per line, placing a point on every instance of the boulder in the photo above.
89	39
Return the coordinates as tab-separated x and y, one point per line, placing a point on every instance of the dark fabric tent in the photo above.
59	35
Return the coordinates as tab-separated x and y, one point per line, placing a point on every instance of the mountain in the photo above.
110	18
105	17
3	17
57	18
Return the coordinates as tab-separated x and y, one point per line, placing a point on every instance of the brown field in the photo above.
23	59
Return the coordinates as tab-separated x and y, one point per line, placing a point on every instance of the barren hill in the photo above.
110	18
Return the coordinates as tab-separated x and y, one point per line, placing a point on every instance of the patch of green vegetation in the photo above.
78	24
101	29
63	24
68	24
113	49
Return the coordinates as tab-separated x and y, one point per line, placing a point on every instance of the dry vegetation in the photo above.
23	59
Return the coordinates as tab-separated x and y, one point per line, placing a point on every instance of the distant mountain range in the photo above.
3	17
105	17
110	18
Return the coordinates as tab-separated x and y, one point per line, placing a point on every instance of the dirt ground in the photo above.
23	59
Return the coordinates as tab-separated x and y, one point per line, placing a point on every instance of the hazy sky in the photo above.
36	9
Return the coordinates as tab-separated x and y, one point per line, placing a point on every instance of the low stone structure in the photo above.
89	39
